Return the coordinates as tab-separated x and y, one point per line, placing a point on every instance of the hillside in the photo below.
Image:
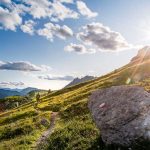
74	129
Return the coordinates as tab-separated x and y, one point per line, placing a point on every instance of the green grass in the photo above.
74	130
76	133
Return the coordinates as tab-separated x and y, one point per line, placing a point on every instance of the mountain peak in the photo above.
80	80
143	55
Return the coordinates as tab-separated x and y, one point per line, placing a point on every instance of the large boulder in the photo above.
122	113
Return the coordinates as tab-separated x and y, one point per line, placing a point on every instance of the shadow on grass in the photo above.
100	145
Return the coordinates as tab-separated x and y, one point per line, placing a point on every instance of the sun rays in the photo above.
143	53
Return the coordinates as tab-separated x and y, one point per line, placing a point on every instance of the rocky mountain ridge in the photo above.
80	80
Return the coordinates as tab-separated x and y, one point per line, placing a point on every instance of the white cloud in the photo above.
28	27
63	32
55	10
50	30
65	1
79	48
46	32
85	11
102	38
61	12
20	66
50	77
9	19
12	13
39	8
46	68
11	84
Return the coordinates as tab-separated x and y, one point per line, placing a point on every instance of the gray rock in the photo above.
122	113
44	122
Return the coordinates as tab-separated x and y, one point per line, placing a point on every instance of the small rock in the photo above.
44	122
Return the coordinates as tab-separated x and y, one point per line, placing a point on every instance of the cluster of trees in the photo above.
14	101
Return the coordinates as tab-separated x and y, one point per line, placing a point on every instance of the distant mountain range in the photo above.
80	80
27	90
5	92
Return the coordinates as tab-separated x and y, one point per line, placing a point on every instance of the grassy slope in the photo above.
74	129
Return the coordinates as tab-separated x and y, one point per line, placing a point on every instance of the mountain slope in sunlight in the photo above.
74	129
138	69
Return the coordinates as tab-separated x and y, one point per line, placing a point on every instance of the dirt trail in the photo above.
47	133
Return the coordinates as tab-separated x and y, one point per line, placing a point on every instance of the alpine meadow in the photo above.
74	75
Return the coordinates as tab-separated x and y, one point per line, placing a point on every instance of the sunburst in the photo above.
145	50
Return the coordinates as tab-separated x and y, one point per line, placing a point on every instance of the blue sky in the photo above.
42	48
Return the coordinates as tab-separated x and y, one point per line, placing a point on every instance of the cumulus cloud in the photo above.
61	12
102	37
54	10
79	48
11	84
38	8
12	13
50	77
65	1
9	19
50	30
28	27
63	32
20	66
85	11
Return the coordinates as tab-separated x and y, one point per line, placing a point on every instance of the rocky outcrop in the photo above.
143	55
122	113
